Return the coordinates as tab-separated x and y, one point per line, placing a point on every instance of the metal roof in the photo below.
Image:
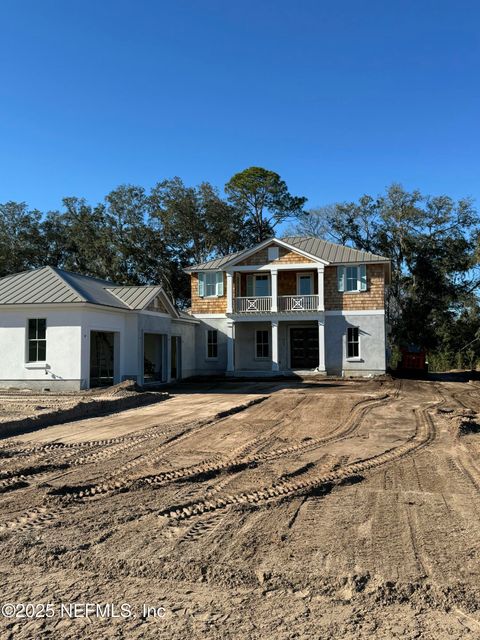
331	252
316	247
135	297
52	285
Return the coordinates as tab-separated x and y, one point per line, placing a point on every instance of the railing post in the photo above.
274	278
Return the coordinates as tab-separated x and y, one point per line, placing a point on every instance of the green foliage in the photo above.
433	243
263	198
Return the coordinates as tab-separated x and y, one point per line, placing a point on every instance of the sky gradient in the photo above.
340	98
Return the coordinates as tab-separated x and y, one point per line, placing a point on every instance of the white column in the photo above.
321	302
229	292
230	347
274	277
321	346
275	366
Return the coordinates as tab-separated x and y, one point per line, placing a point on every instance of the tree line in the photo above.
140	236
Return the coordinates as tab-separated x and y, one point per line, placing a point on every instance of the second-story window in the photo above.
210	284
352	278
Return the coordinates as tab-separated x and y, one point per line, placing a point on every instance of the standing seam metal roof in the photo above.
48	285
322	249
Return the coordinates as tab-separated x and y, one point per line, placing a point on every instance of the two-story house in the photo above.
295	304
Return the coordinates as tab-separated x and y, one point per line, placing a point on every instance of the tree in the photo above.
314	223
19	238
263	198
432	244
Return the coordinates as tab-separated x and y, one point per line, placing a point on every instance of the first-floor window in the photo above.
261	344
37	340
353	343
212	344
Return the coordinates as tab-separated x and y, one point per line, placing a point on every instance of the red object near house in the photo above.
413	359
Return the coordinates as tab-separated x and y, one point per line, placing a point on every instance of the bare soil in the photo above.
332	510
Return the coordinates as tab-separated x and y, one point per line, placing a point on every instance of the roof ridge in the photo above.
55	270
83	275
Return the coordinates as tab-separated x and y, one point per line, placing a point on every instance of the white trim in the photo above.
304	316
268	242
206	315
341	312
274	349
280	266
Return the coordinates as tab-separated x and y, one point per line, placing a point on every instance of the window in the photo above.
37	340
212	344
304	284
258	285
261	344
353	343
352	278
210	284
272	253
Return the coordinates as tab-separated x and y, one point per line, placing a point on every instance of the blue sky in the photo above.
340	98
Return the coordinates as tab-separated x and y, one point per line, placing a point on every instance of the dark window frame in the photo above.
262	346
353	343
36	340
212	344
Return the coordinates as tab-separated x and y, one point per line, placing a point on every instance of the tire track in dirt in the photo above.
424	435
189	429
235	462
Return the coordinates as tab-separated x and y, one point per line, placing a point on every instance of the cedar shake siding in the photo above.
285	256
371	299
214	304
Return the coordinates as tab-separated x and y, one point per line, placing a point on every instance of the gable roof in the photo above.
322	250
50	285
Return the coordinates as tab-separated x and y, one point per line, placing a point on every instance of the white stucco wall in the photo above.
63	357
204	365
186	331
372	359
67	365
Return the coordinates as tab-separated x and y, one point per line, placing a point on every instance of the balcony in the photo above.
258	304
285	304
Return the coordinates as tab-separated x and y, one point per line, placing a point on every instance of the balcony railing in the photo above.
263	304
297	303
255	304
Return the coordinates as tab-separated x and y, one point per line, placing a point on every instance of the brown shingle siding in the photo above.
208	305
371	299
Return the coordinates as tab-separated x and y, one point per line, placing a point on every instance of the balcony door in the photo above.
258	285
304	284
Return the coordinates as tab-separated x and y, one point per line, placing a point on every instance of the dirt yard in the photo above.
322	510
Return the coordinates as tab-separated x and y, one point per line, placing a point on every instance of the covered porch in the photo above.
266	347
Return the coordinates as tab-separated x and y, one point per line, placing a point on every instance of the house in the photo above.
295	304
63	331
291	304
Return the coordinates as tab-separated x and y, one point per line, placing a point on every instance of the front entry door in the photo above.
304	348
